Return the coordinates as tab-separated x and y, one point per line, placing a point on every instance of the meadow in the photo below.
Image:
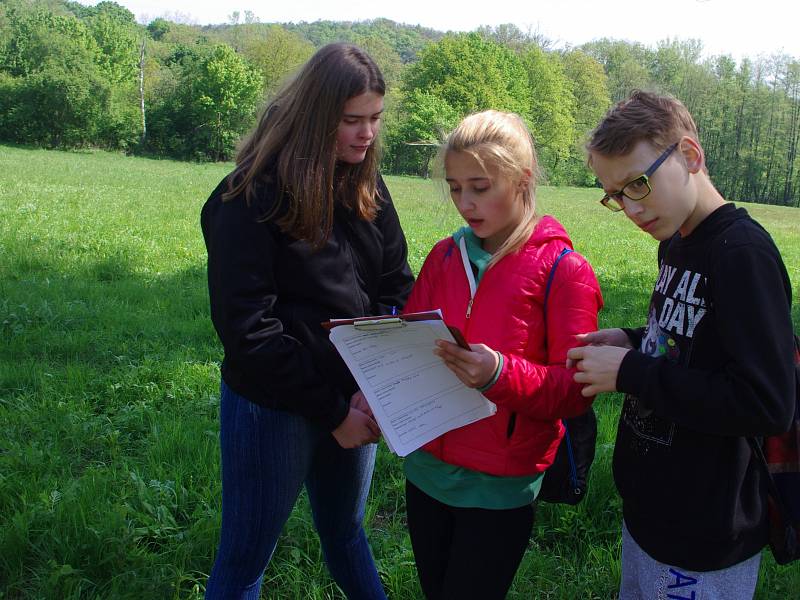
109	375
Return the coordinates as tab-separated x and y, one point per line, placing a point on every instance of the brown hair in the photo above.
294	145
501	141
661	120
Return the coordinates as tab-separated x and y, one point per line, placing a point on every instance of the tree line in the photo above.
76	76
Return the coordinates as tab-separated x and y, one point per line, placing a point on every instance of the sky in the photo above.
732	27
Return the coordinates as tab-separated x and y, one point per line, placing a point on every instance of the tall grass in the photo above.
109	459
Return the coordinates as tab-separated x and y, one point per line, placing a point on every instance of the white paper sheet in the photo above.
413	395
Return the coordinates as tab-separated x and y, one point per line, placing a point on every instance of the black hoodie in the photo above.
270	292
715	365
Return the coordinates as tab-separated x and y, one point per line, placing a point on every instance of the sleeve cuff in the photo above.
335	418
496	375
632	372
634	336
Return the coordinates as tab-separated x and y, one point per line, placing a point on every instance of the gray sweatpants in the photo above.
644	578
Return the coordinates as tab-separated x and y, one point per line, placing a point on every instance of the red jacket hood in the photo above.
547	230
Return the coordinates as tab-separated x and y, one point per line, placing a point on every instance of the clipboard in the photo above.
413	395
391	321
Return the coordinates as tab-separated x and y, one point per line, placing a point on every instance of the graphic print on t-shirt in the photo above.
676	308
676	301
657	342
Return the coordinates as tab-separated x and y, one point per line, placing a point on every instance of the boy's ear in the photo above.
692	153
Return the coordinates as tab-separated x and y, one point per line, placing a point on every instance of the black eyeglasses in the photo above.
638	188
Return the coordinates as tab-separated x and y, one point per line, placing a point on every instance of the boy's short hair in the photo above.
660	119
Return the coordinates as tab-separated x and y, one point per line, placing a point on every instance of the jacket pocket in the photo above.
512	424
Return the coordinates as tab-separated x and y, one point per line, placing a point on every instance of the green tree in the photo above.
589	86
58	106
412	138
62	96
670	64
274	51
387	59
791	83
513	37
30	40
110	9
226	93
407	40
551	111
456	76
471	73
118	38
213	102
625	64
158	28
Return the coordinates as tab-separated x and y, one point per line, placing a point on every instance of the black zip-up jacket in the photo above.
715	365
270	292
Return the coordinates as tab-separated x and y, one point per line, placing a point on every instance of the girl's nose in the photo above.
366	131
464	202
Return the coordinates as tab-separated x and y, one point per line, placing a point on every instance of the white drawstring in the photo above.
462	245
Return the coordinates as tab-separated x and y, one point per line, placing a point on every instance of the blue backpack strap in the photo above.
573	470
550	278
573	467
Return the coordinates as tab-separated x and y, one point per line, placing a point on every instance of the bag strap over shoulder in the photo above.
757	446
758	451
573	468
550	278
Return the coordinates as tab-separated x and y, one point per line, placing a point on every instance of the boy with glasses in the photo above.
713	366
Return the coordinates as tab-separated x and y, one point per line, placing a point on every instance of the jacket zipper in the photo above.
512	419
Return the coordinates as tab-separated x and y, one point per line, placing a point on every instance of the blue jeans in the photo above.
267	456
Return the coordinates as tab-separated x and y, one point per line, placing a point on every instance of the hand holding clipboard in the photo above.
478	367
414	395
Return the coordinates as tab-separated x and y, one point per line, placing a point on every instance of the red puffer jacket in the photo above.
535	389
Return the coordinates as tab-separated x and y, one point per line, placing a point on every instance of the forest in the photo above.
74	76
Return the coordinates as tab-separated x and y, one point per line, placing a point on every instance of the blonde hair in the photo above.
500	141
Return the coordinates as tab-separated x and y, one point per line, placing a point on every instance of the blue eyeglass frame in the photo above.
618	196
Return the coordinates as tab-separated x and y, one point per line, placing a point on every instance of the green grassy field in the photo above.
109	466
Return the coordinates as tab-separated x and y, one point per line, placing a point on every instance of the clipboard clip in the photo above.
371	324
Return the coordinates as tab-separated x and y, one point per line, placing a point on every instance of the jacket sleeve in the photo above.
243	294
549	391
396	279
752	393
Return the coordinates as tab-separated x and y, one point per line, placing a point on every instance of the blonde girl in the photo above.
470	492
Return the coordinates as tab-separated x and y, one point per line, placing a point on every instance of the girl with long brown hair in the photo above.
301	231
